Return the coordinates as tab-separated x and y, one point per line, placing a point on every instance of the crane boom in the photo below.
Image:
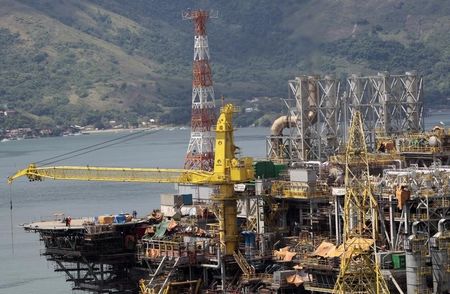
227	168
115	174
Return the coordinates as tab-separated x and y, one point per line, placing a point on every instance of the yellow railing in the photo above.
300	190
419	149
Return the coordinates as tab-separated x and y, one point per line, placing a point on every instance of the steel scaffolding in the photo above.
314	111
389	104
319	113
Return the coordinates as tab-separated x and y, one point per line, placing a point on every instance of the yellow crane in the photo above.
228	170
359	271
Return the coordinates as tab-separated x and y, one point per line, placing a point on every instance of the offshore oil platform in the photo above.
353	197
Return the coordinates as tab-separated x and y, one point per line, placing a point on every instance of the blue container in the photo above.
120	219
249	238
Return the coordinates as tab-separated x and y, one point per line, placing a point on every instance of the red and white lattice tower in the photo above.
200	153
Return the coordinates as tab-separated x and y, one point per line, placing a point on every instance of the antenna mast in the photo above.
200	153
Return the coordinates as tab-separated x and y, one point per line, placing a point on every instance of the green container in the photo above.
267	169
398	261
264	170
279	168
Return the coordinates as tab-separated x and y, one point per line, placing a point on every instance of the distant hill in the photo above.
89	61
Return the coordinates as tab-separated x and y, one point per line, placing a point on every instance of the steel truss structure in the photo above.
200	153
390	104
314	111
97	264
359	272
319	112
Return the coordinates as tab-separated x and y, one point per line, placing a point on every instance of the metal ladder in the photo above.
246	268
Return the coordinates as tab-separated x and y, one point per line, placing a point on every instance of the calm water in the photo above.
25	271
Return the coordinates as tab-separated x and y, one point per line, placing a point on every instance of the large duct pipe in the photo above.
281	123
384	99
414	227
312	99
441	225
276	131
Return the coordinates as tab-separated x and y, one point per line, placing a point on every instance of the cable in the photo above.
88	147
92	148
88	151
101	146
11	218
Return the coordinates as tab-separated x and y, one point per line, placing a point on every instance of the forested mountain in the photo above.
88	61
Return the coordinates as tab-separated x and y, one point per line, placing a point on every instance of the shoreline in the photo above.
97	132
121	130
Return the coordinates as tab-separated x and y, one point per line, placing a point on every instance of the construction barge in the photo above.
353	197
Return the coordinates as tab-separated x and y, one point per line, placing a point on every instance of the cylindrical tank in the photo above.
414	279
439	259
417	269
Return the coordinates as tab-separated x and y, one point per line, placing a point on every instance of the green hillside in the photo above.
90	61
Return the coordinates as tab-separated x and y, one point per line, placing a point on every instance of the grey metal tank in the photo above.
417	269
439	258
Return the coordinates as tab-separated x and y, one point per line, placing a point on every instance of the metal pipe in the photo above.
441	226
399	163
392	223
222	273
314	162
276	131
336	220
394	281
281	123
414	227
215	266
312	99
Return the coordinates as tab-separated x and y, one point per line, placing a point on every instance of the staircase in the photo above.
246	268
164	271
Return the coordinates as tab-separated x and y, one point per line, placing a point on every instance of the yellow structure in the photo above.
359	271
228	170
